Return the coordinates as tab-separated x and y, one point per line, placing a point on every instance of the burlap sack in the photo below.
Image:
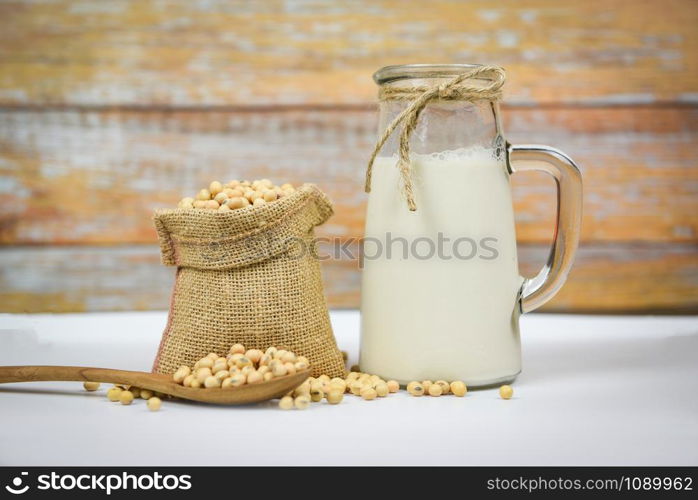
247	276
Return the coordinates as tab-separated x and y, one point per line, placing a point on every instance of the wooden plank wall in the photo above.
109	110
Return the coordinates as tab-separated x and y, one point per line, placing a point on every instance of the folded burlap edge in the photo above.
207	239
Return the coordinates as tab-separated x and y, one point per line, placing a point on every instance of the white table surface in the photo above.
595	390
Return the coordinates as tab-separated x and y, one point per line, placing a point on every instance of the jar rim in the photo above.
396	72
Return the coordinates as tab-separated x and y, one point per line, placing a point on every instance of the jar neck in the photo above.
445	126
414	72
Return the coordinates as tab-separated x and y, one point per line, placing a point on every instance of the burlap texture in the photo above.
248	276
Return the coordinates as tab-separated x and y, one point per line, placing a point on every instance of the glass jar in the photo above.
441	289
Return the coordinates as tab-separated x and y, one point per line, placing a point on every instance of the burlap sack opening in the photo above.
248	276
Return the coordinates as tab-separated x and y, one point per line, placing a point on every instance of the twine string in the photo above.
451	90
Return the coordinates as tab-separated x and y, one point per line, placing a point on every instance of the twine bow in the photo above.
451	90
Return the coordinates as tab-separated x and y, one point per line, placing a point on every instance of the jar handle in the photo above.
538	290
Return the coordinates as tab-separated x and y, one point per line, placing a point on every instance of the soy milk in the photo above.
440	285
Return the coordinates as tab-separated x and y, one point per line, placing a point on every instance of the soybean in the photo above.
435	390
181	373
458	388
369	393
211	382
215	188
202	374
335	397
415	388
316	395
254	377
286	403
154	403
301	402
445	387
506	392
126	397
382	389
237	348
114	394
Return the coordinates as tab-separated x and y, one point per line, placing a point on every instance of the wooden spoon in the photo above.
248	393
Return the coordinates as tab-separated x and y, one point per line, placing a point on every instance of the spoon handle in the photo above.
80	374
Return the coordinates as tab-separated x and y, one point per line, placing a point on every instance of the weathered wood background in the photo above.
109	109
